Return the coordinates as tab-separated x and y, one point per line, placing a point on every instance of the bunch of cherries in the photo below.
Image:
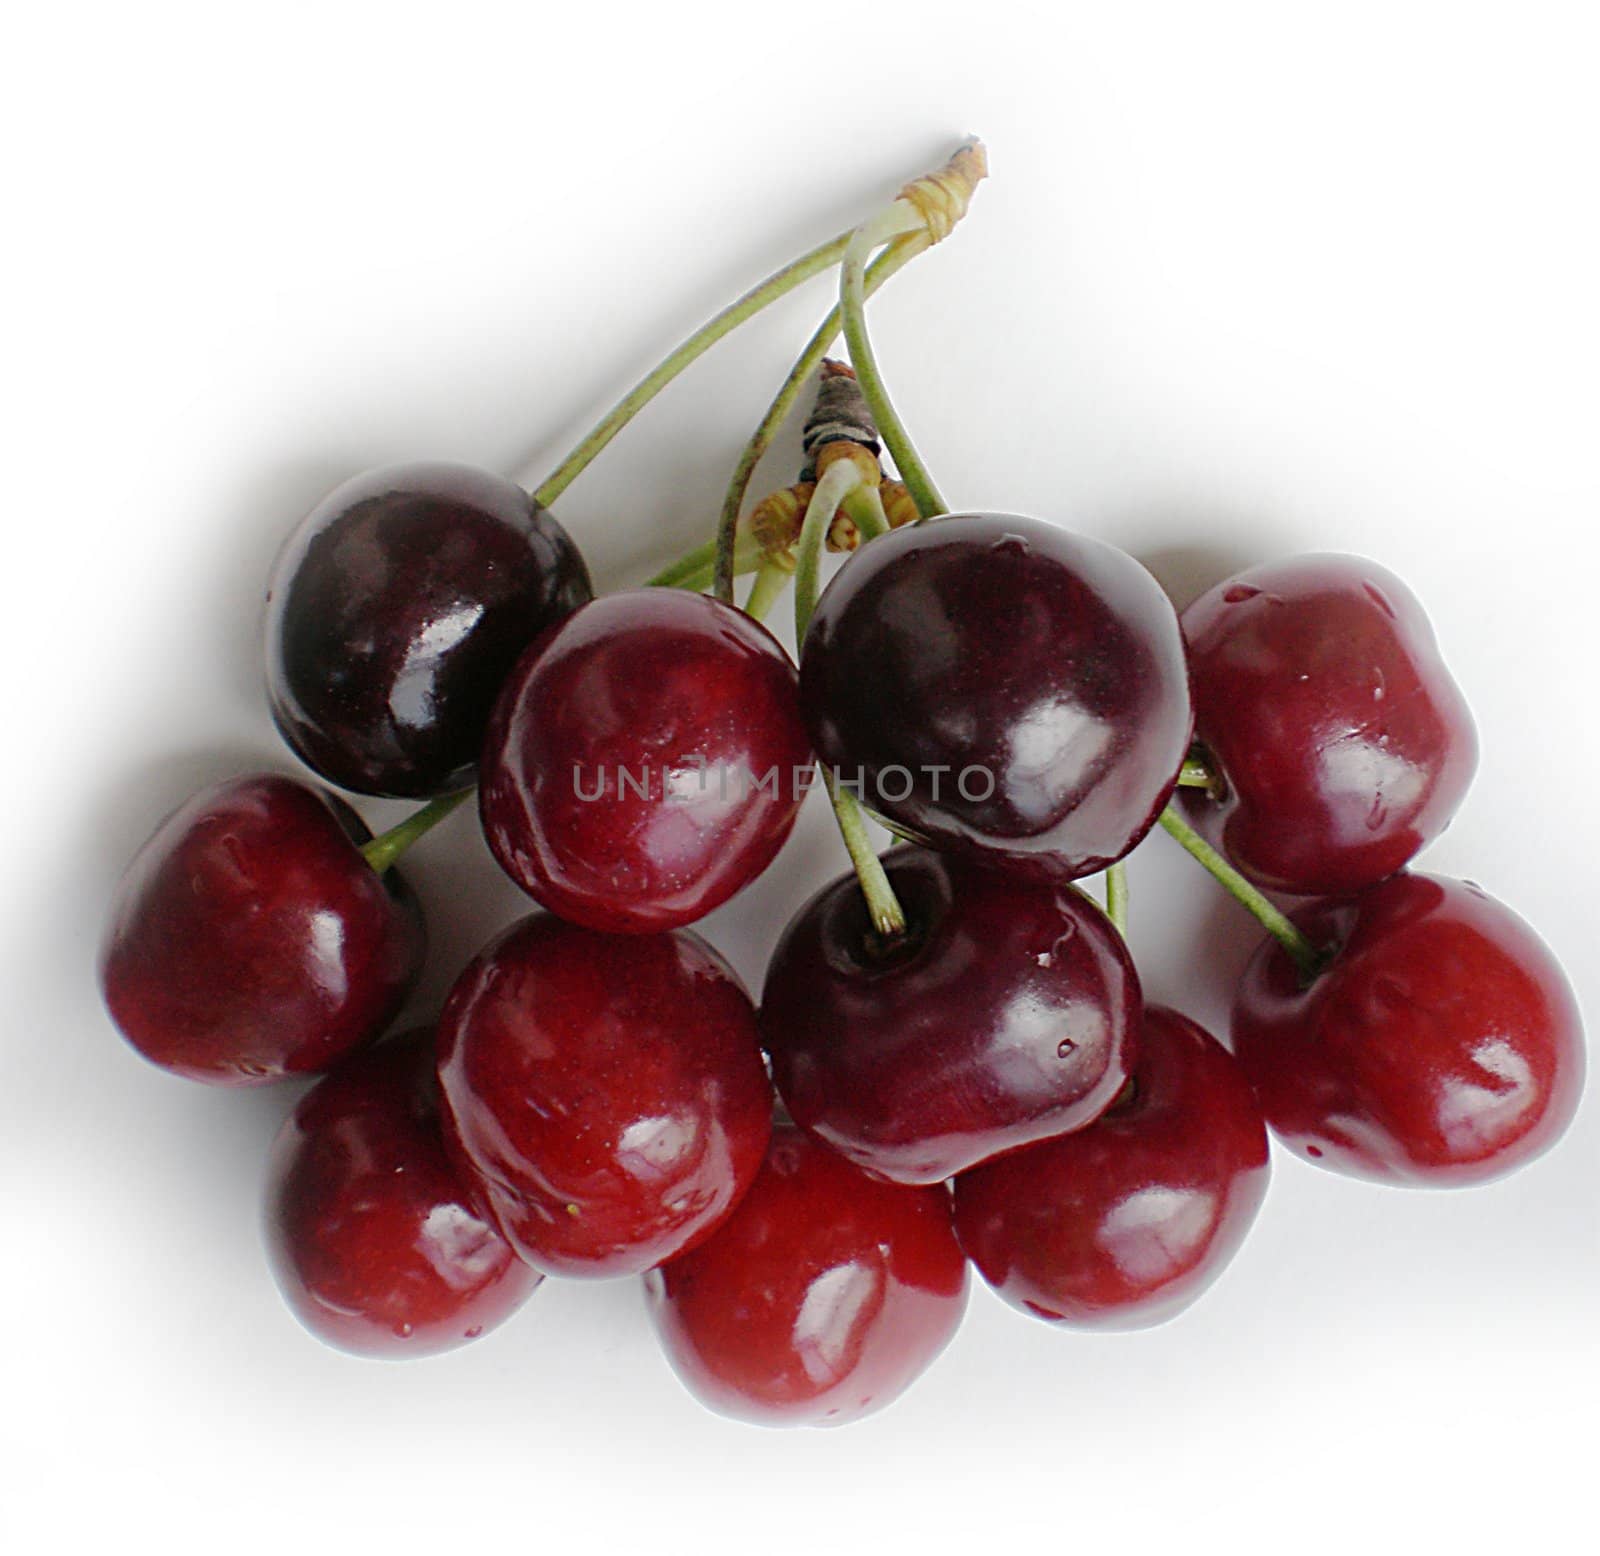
963	1063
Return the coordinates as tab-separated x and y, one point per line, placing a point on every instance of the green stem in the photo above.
1117	897
888	917
897	219
865	508
1305	955
837	480
894	258
388	846
772	578
693	569
840	478
778	284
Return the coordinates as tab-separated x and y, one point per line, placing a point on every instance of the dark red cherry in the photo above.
605	1092
1341	741
1003	689
1123	1224
372	1235
645	762
1441	1045
397	609
1010	1013
249	940
824	1296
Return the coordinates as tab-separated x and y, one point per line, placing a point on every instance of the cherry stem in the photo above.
779	284
888	917
899	219
864	506
1196	773
1305	955
836	483
388	846
693	569
894	258
772	578
1117	897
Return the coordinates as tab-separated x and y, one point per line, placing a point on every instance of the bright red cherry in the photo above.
1009	1013
1003	688
1124	1223
606	1093
1341	741
645	762
397	609
249	940
824	1296
1441	1044
372	1235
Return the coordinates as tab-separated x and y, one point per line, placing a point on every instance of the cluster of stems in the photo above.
866	257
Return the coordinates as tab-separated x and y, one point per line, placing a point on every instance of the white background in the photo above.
1248	279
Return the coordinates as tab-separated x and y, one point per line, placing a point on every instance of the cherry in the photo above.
1006	689
249	939
1009	1013
397	609
605	1092
645	761
371	1232
1341	742
822	1297
1124	1223
1440	1045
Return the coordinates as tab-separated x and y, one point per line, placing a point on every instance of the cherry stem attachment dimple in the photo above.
894	258
388	846
1308	957
779	284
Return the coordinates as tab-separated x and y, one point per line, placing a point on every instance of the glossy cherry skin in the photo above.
1010	1014
1342	743
823	1297
605	1093
1442	1045
986	652
249	940
397	609
371	1231
1123	1224
645	762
